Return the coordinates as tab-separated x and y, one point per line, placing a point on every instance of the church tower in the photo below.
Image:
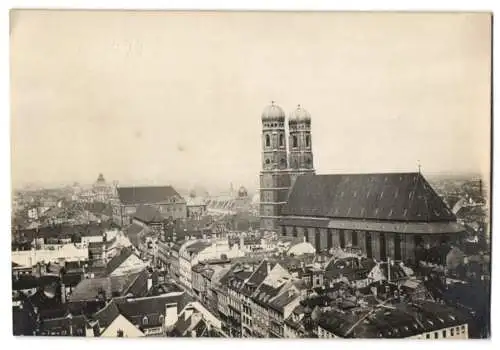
274	177
300	155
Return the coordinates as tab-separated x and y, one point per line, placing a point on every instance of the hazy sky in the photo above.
177	97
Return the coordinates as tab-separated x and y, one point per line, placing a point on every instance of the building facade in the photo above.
387	215
274	177
384	215
164	198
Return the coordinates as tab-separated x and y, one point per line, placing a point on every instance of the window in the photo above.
268	161
427	336
294	141
281	140
145	320
268	141
436	335
162	319
308	140
444	333
354	238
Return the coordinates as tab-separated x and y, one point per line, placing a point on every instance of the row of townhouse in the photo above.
191	253
256	301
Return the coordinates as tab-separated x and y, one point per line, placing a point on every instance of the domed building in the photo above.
273	113
299	114
242	192
102	191
231	202
301	249
242	201
379	215
282	165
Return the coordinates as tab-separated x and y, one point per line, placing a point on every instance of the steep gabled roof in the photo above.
133	232
152	307
265	293
107	314
117	260
283	299
148	214
147	195
391	197
256	278
89	289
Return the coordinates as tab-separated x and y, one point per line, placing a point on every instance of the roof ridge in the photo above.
254	271
138	274
421	180
112	301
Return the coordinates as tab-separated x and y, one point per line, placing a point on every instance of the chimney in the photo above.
63	293
171	315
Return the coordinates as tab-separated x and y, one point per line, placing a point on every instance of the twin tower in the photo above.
281	164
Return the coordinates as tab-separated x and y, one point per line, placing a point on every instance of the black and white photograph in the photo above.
251	174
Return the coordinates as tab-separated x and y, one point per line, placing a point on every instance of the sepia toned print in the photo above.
251	174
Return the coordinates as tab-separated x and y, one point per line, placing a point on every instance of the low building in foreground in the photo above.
422	320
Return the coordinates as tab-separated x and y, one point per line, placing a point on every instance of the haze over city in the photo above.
177	98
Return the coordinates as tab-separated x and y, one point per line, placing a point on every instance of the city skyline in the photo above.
112	98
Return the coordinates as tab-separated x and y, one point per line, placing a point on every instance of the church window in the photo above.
294	141
268	141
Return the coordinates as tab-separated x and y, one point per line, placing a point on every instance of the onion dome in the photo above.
242	192
100	179
273	112
300	115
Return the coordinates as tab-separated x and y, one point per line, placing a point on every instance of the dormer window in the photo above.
145	321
